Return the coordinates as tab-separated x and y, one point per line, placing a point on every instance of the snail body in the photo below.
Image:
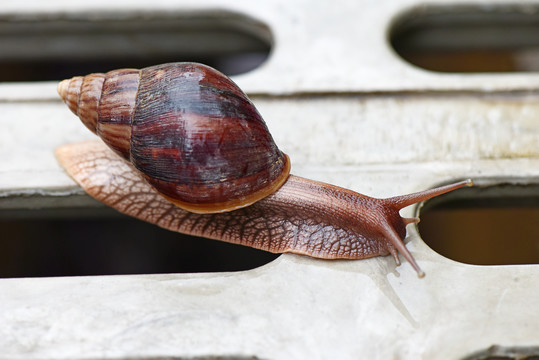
200	160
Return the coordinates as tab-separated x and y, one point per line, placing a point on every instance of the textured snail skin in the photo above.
187	130
303	217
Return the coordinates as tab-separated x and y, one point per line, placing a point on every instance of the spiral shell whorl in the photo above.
116	109
82	94
105	104
69	90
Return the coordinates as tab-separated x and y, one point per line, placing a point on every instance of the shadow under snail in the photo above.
201	161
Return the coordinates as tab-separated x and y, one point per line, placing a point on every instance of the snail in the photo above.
187	150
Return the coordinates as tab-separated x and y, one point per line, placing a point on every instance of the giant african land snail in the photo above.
198	142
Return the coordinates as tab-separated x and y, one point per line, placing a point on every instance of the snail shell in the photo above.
191	131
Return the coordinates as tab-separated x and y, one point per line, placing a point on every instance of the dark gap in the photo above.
497	352
81	242
464	39
484	225
54	47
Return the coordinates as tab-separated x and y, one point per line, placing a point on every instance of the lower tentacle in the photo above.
398	244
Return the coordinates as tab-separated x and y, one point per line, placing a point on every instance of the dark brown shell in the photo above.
189	129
